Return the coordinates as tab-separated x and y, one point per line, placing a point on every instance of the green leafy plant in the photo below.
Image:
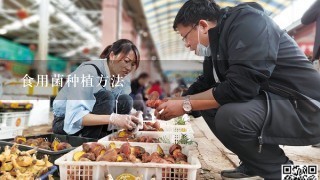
180	121
185	140
164	139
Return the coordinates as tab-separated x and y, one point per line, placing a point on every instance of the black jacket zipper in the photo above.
260	138
289	95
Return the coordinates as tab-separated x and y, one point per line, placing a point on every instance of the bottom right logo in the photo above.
299	172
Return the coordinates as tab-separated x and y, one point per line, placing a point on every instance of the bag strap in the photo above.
102	83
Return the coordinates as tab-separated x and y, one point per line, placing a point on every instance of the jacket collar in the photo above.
214	40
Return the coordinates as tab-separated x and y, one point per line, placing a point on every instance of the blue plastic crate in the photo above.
46	175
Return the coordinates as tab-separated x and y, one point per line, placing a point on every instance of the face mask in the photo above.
201	49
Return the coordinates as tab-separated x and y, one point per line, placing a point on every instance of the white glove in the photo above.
137	114
124	121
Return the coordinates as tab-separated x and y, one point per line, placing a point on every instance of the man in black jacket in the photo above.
258	90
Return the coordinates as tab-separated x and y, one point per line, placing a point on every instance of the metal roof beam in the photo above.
91	12
57	50
16	3
75	21
51	41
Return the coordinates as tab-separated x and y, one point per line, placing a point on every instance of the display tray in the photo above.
74	141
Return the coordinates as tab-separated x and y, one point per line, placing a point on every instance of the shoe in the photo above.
316	145
241	172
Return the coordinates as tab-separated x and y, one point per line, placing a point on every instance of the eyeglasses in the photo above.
185	37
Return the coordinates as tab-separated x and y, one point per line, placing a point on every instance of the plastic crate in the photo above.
99	170
166	137
74	141
172	123
170	127
15	106
14	119
10	132
177	128
51	171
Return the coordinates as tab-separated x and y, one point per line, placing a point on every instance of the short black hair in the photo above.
193	11
143	75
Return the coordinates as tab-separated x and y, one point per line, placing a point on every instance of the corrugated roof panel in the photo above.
160	15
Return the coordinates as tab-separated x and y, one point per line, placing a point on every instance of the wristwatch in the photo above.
187	104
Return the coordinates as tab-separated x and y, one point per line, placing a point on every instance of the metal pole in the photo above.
139	39
43	35
119	20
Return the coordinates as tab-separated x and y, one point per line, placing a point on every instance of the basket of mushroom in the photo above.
118	160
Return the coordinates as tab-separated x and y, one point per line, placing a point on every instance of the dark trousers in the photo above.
237	126
105	105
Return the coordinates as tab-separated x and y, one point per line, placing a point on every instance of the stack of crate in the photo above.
14	118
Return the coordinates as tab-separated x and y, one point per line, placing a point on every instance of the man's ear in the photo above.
204	26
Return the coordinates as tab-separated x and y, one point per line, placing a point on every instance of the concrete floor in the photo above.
214	157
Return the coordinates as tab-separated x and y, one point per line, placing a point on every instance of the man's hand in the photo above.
169	109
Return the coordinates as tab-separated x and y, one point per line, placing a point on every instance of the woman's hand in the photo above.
124	121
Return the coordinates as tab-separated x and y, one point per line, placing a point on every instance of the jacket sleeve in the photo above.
253	43
204	81
197	87
311	14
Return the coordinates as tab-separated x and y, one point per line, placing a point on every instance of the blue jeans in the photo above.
105	105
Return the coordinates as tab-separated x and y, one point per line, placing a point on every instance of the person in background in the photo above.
156	86
180	81
310	16
257	91
138	86
166	87
100	100
178	92
4	72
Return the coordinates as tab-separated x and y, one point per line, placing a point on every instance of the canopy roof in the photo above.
160	15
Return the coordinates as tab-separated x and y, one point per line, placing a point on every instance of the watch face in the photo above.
187	107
